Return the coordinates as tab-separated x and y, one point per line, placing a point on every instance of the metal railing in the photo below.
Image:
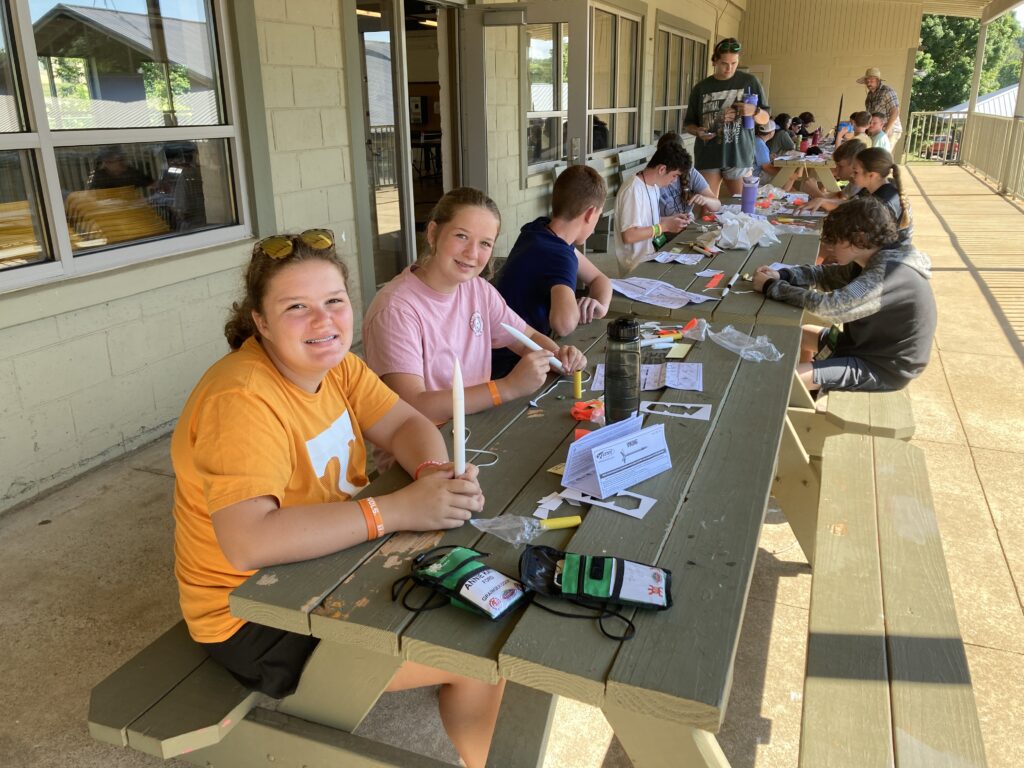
989	145
935	137
385	156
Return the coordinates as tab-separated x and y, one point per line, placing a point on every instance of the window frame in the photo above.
42	142
557	73
673	25
618	13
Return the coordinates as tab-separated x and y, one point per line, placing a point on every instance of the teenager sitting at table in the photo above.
724	150
876	287
688	191
843	157
861	120
781	141
872	170
267	455
876	130
441	309
538	280
639	226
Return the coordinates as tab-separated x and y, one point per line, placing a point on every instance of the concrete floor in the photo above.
86	580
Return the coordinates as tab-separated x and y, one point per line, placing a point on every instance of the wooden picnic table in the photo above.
822	170
665	691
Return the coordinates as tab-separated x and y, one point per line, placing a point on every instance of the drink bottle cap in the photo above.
624	329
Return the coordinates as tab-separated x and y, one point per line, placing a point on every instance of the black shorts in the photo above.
263	658
847	374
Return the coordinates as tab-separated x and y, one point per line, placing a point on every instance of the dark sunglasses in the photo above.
282	246
729	46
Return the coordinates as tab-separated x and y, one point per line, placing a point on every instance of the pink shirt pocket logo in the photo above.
476	322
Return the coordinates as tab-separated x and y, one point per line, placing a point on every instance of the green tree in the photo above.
945	60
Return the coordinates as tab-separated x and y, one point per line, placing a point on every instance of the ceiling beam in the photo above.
997	8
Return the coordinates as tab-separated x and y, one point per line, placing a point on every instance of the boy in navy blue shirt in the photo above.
539	278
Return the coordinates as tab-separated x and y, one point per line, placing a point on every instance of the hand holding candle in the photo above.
458	420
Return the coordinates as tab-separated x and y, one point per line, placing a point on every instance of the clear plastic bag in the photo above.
756	350
518	530
698	332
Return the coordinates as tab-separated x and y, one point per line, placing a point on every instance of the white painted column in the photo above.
968	148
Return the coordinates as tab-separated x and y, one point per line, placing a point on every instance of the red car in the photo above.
941	146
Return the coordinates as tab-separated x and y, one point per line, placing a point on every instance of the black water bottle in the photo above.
622	369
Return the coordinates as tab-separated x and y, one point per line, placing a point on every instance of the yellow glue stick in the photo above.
577	385
554	523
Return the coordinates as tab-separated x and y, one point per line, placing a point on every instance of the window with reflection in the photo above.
614	64
10	102
117	194
126	64
547	55
22	234
680	62
141	147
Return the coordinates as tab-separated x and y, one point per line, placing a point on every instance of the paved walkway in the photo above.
85	573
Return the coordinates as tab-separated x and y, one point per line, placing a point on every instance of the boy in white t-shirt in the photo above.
638	227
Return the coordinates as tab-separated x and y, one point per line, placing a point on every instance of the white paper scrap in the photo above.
667	257
708	272
697	411
625	502
655	376
655	292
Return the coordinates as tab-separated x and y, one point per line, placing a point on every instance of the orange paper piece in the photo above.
580	433
715	280
692	323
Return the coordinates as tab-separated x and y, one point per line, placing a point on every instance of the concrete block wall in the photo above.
109	365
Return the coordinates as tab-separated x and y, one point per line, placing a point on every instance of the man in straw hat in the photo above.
882	98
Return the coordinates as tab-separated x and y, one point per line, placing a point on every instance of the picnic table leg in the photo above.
796	488
783	176
524	723
340	684
654	743
826	178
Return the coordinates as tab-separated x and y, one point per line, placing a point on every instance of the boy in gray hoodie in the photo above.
876	287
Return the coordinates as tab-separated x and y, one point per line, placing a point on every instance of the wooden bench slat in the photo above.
140	683
892	414
274	738
846	716
200	710
935	719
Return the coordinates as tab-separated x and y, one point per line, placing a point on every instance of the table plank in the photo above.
800	249
679	666
572	658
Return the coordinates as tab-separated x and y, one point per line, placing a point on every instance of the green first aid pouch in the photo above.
456	575
597	582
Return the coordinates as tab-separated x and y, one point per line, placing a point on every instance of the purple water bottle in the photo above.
748	120
749	196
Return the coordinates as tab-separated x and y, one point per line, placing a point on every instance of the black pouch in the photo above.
659	241
456	575
827	343
599	583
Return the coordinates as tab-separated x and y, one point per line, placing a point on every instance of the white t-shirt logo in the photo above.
334	442
476	322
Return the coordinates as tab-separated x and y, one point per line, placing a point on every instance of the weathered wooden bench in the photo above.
172	700
887	680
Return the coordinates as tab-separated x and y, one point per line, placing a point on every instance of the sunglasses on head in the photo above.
282	246
729	46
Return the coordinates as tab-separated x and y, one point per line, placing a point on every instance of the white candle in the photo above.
458	419
532	345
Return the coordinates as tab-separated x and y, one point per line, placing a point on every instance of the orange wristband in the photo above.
374	521
495	394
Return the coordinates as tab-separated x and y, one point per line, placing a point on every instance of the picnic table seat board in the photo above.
887	678
881	414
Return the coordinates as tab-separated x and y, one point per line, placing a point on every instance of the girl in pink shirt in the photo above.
441	309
